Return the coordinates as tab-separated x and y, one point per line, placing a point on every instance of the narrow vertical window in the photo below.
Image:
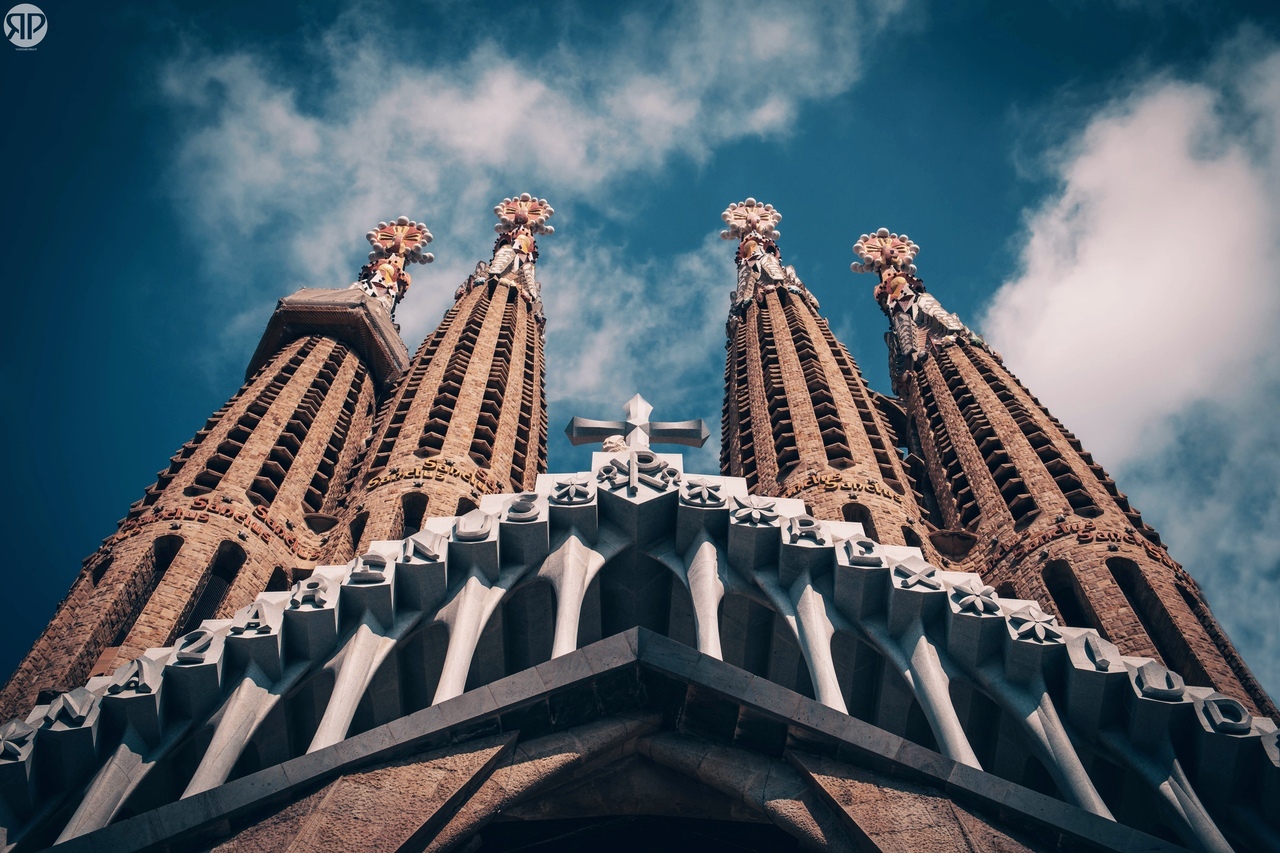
414	507
859	513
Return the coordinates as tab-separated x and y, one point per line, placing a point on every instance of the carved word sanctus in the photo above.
853	484
1085	532
438	468
254	519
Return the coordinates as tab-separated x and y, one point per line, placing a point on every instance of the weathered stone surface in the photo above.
896	816
377	809
538	765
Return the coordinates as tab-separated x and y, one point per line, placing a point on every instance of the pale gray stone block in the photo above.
807	550
524	529
473	544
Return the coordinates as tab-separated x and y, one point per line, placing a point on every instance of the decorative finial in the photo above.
523	211
515	252
395	244
760	268
742	219
403	237
882	250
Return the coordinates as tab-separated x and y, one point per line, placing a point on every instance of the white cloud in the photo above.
1144	317
281	175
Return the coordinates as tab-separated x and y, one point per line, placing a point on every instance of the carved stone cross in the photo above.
637	429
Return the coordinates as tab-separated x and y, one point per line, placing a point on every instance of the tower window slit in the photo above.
1156	621
221	574
856	512
414	508
1068	597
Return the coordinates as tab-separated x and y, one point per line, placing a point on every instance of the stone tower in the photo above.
798	419
1040	519
243	506
469	417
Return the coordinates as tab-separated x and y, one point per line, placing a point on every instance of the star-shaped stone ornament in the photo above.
701	493
754	511
975	597
911	577
572	491
1033	624
15	740
71	708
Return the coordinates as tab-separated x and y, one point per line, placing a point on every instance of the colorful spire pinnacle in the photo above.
395	245
883	250
745	218
525	212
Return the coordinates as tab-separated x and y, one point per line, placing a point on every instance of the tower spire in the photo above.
798	419
247	503
913	313
1007	473
760	269
469	416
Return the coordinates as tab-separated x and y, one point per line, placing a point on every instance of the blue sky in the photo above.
1094	185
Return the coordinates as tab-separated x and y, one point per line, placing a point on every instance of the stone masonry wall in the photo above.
468	419
1051	525
801	423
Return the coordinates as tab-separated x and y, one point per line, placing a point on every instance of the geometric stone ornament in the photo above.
916	574
252	620
1034	625
863	552
137	677
17	739
1159	683
523	508
311	593
70	709
475	526
701	493
754	512
190	649
636	469
975	597
1226	715
573	491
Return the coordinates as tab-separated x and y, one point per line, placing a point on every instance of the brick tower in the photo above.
246	502
436	450
1050	525
798	419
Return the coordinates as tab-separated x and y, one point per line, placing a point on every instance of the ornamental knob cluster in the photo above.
750	217
523	211
882	250
403	237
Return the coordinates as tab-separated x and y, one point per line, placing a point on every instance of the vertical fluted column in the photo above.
799	421
1048	523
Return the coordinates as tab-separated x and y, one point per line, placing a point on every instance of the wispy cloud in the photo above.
1144	317
279	178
